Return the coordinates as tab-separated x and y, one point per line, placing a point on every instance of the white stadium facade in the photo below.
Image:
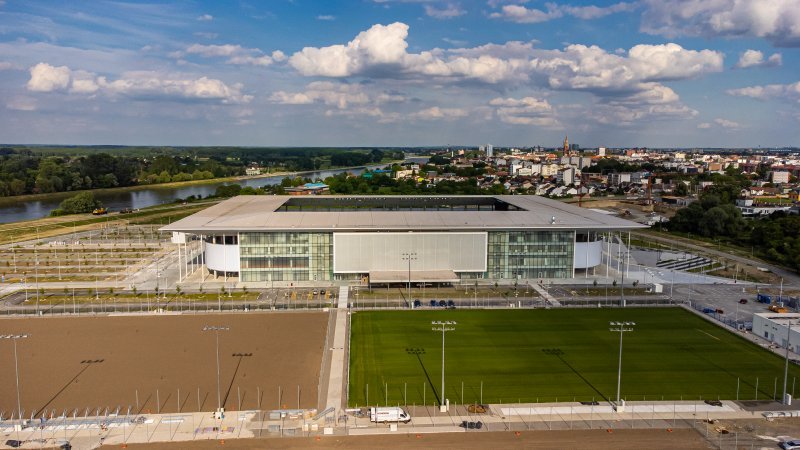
391	239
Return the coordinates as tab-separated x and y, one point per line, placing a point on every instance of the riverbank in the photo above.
6	201
63	225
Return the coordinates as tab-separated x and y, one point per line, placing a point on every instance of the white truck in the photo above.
390	414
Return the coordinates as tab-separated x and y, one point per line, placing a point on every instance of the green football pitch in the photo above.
510	356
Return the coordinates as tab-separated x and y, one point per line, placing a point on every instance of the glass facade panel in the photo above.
530	254
286	256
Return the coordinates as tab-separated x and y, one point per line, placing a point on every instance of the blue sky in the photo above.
657	73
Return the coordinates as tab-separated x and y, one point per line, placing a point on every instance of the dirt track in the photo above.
594	439
91	362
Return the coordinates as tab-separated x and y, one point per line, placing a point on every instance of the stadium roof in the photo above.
394	213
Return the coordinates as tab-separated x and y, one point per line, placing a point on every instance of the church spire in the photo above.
566	145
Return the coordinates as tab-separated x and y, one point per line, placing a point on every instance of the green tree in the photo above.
79	203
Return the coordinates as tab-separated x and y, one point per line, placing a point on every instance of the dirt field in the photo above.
594	439
91	362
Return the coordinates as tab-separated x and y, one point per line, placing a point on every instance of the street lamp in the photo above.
621	328
14	338
443	327
409	256
216	329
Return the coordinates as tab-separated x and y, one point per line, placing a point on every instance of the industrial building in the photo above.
388	239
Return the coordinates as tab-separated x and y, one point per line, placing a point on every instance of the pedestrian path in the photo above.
336	377
546	295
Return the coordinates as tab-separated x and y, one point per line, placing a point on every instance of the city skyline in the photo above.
402	73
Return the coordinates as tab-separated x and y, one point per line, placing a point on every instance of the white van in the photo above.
392	414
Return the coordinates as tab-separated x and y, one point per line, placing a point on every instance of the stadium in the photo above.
384	240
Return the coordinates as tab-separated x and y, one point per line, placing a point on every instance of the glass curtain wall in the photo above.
286	256
530	254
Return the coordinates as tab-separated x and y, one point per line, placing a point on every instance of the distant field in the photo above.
549	355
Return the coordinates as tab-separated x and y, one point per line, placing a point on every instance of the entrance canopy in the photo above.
417	276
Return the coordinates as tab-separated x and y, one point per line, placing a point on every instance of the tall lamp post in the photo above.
785	400
409	256
216	329
14	338
445	326
621	328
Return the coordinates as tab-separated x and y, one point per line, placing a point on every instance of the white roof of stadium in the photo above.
260	213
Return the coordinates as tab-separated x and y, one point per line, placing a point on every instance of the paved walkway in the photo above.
546	295
337	373
93	432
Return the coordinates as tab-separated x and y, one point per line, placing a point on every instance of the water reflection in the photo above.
155	195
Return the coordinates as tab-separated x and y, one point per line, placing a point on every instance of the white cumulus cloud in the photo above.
522	14
725	123
524	111
332	94
754	58
47	78
437	113
381	52
448	11
628	84
205	18
777	21
380	45
142	85
235	54
788	92
703	126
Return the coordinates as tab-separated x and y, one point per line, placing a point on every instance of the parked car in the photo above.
417	303
743	301
451	304
792	444
433	303
13	443
442	303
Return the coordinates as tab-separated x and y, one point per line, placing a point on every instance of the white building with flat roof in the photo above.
437	239
775	327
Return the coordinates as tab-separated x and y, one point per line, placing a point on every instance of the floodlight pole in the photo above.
216	330
621	328
786	363
447	325
409	256
14	338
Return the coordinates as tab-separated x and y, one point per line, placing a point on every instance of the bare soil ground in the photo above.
91	362
594	439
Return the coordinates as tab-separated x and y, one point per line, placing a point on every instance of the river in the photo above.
150	196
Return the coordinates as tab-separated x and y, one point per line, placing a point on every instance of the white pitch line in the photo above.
707	334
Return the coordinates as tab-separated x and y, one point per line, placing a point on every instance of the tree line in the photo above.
49	170
714	215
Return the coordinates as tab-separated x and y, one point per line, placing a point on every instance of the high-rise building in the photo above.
489	150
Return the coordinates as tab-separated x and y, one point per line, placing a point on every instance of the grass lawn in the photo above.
549	355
